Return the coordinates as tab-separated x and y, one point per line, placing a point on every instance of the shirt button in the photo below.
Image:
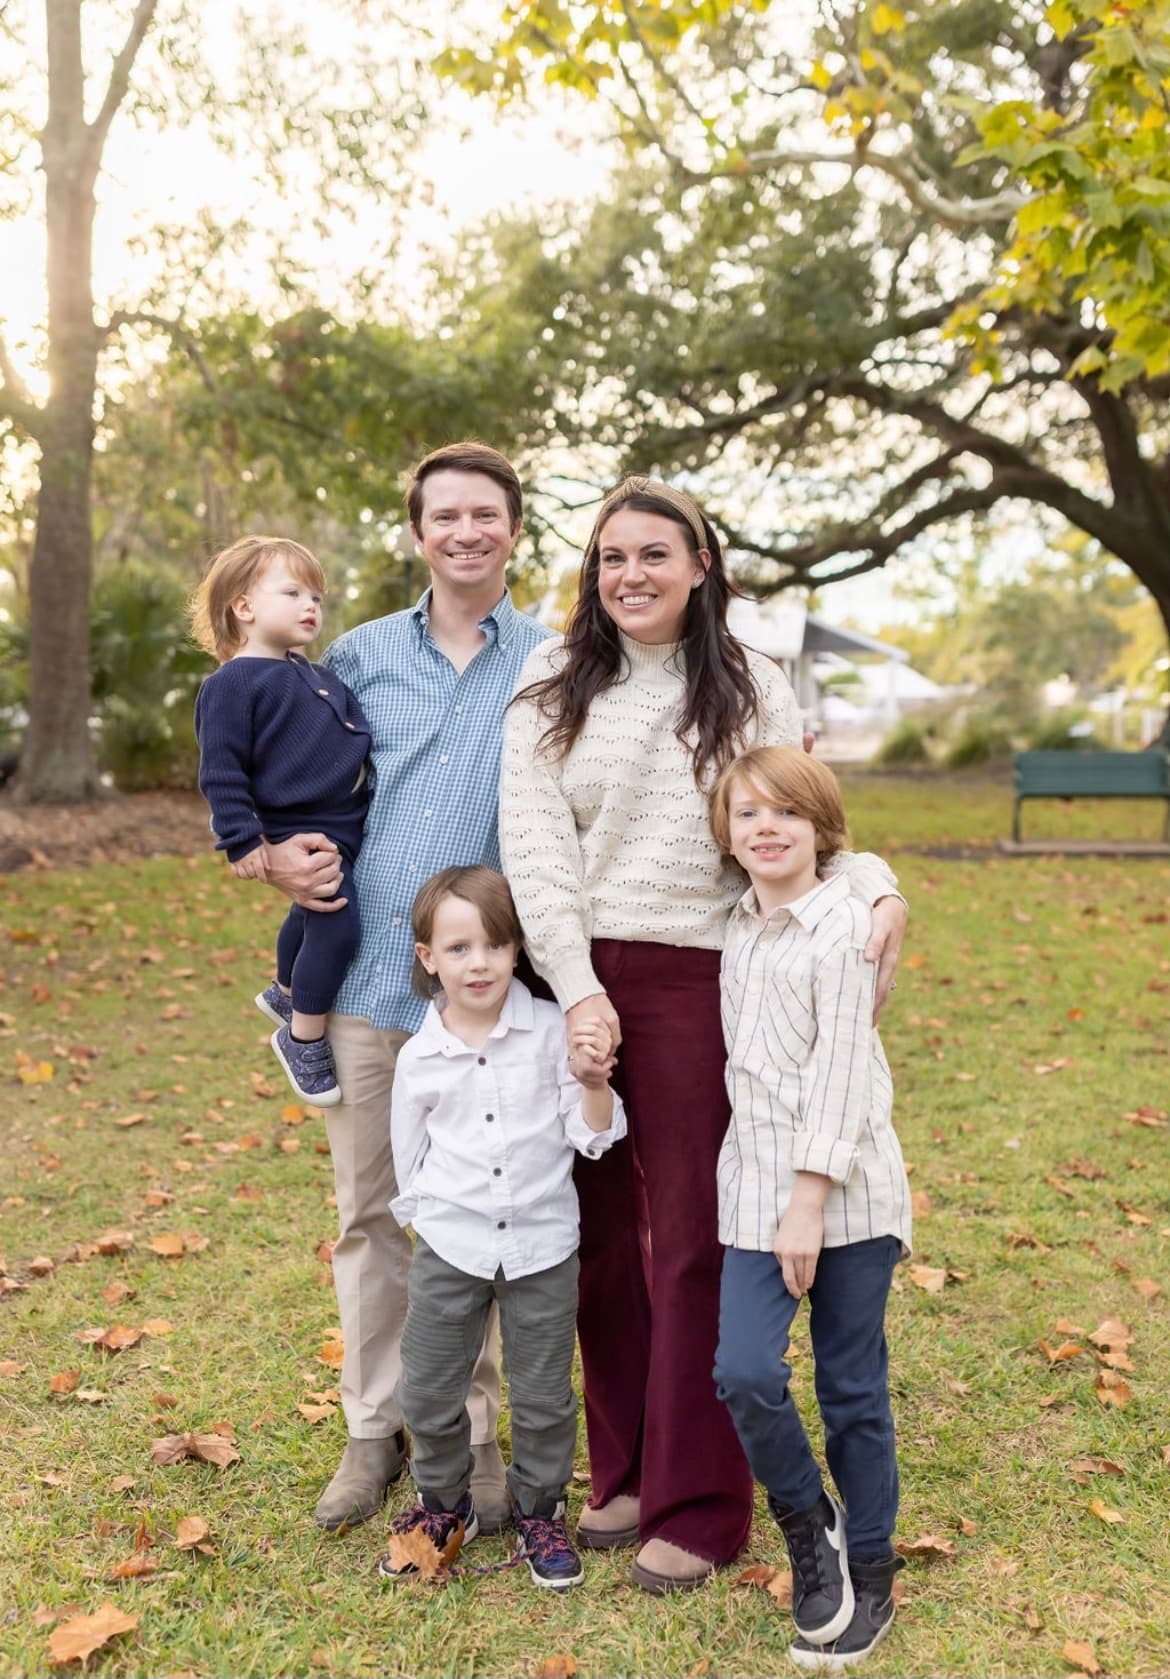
443	759
489	1117
459	708
398	921
497	1171
324	693
349	725
483	1063
502	1225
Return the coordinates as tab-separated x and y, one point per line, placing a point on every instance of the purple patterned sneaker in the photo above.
440	1527
276	1004
543	1542
309	1067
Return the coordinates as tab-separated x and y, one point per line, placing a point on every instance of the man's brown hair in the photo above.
465	457
486	889
231	574
784	776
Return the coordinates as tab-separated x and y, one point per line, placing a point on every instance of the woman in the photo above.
615	735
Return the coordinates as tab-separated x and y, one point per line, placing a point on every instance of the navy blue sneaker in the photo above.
440	1527
309	1067
276	1004
544	1544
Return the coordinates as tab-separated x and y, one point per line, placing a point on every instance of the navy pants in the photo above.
313	950
847	1324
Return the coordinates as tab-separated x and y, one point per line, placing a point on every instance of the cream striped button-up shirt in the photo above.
809	1085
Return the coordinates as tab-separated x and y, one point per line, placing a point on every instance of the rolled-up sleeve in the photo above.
839	1067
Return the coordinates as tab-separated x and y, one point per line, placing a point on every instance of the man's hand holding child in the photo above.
800	1235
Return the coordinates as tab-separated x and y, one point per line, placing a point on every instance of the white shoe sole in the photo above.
267	1009
825	1661
328	1099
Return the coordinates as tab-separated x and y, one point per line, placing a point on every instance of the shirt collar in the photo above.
517	1015
808	910
499	624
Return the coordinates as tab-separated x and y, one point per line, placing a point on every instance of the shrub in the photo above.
905	744
1065	731
980	741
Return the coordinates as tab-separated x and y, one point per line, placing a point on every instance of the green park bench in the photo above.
1091	775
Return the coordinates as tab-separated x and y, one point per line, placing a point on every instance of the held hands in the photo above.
594	1033
890	916
307	869
252	867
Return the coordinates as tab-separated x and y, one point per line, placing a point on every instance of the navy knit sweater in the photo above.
281	744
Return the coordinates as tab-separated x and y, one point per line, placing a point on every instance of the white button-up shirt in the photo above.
809	1085
483	1140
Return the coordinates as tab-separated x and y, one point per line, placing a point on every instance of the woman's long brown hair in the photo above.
721	698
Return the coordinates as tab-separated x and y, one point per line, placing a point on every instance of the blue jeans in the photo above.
847	1325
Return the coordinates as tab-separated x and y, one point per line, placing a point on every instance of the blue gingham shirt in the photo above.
436	757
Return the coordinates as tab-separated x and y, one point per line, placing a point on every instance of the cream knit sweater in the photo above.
613	841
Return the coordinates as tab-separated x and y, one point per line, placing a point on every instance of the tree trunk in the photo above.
57	764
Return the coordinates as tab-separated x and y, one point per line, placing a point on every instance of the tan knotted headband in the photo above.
635	485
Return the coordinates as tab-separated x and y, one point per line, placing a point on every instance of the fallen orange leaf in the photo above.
64	1381
208	1448
1082	1656
1104	1511
1057	1355
416	1551
191	1534
1147	1288
557	1667
135	1565
1112	1390
929	1279
167	1247
77	1639
928	1545
158	1326
1111	1332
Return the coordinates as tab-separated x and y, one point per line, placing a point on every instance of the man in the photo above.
434	682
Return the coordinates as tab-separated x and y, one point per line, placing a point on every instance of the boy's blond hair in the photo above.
785	776
231	574
476	884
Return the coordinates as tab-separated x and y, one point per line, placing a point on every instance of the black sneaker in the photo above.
440	1527
543	1542
873	1616
822	1593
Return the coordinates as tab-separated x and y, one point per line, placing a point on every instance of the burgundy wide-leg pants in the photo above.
651	1260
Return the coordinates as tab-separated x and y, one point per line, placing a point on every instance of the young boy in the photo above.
283	749
486	1116
813	1198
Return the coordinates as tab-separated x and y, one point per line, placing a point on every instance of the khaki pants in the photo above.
371	1259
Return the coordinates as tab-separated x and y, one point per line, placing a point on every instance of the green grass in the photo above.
1012	966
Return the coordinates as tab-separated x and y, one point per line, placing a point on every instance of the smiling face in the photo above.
464	533
776	847
473	968
280	611
646	572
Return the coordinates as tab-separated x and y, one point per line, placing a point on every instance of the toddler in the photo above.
485	1118
283	749
813	1198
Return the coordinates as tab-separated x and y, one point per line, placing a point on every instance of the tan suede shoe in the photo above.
357	1490
611	1525
662	1567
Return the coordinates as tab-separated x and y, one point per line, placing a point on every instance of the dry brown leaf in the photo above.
1147	1287
1024	1239
248	1192
158	1326
921	1205
137	1564
927	1545
1057	1355
1095	1466
954	1385
168	1246
1065	1326
1032	1620
1111	1389
42	1265
164	1401
1115	1361
121	1483
759	1574
1105	1511
114	1293
191	1532
557	1667
317	1413
415	1551
968	1527
929	1279
113	1241
292	1114
781	1587
121	1336
129	1120
331	1354
208	1448
77	1639
10	1367
1134	1214
91	1396
1111	1332
64	1381
1081	1655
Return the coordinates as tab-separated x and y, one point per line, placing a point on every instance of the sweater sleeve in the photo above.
223	728
541	852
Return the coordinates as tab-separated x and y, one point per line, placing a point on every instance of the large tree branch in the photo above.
16	400
175	330
954	212
119	82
